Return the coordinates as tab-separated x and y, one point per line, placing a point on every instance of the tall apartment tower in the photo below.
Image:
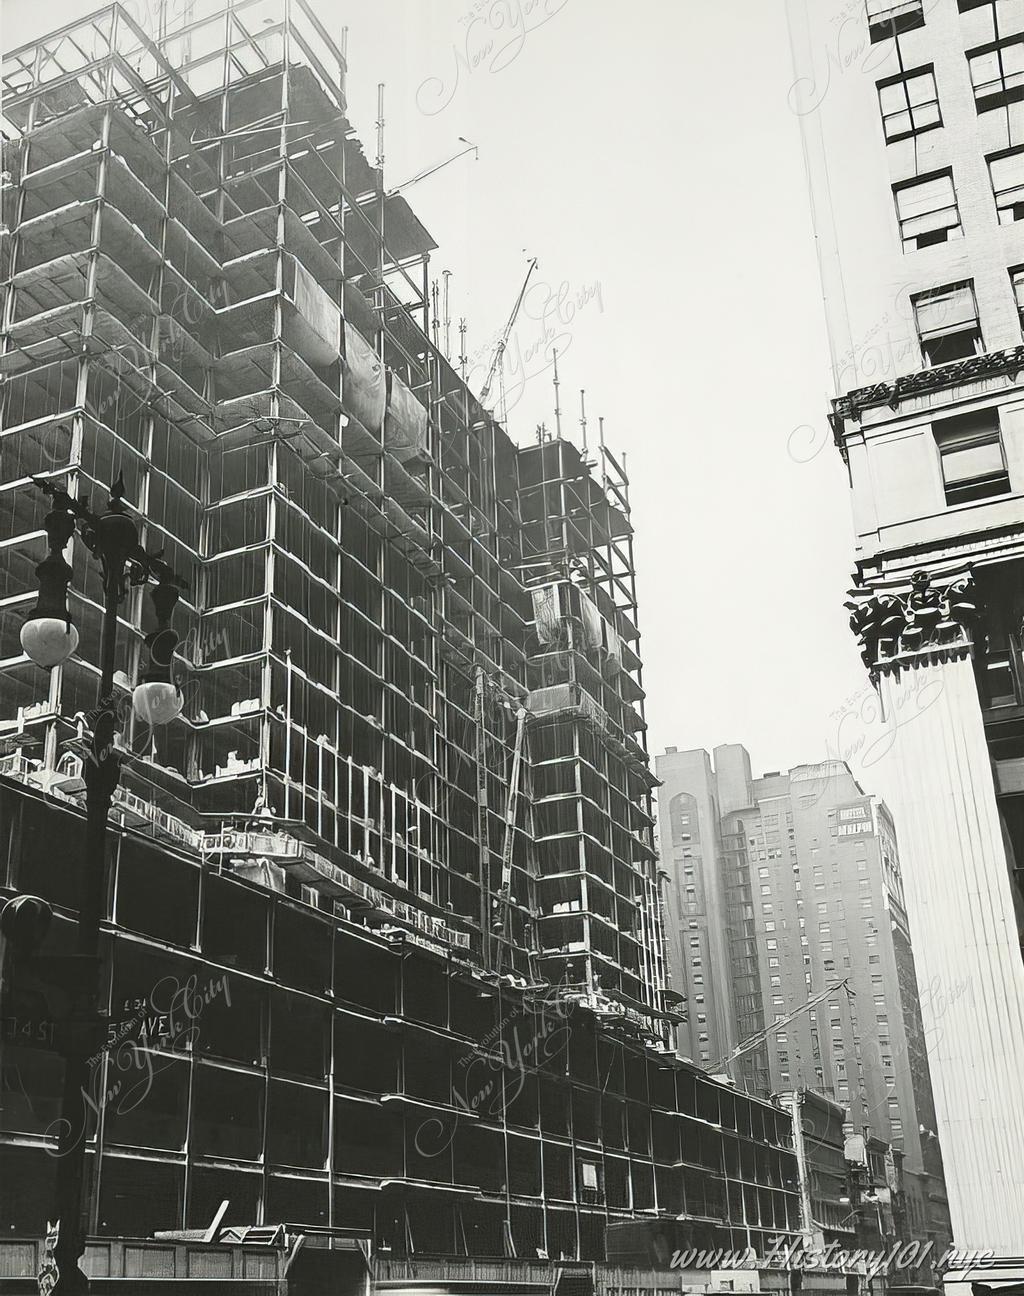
781	888
912	116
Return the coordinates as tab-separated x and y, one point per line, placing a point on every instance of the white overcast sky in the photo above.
647	155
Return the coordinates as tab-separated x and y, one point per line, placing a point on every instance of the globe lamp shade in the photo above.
157	702
49	640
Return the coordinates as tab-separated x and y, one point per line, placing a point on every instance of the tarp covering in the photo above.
592	621
363	393
545	613
405	425
549	604
562	697
319	324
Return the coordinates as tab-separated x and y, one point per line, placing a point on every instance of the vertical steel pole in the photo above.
102	773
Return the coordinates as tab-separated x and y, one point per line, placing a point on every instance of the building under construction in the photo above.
405	815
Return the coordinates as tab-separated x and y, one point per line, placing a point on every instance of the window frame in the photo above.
999	156
1016	274
898	16
1007	93
971	489
912	243
910	110
929	338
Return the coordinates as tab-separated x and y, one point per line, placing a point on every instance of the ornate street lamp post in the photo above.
49	637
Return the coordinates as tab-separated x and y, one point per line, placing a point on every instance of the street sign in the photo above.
143	1026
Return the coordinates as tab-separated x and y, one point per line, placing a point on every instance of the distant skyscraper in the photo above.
786	889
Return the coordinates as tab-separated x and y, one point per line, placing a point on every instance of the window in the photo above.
971	456
927	211
773	962
775	981
887	18
772	944
769	926
947	323
1017	282
1006	171
997	72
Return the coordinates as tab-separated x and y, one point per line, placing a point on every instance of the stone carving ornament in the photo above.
889	626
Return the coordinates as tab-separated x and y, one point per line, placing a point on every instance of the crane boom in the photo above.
753	1040
499	350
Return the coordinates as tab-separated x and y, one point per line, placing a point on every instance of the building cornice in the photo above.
1009	362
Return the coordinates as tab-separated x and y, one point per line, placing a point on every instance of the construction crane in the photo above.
495	909
432	170
506	333
511	807
759	1037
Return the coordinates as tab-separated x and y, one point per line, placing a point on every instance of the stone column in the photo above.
964	932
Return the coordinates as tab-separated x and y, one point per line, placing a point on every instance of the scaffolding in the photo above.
209	289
